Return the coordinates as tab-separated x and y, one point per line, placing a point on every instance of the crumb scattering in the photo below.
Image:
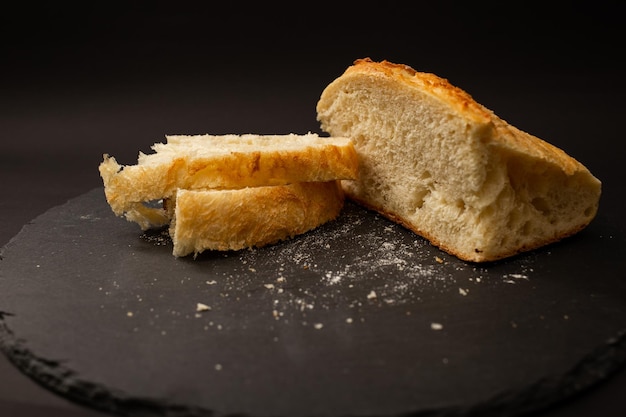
389	270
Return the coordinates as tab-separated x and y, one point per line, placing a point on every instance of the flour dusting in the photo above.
360	261
355	262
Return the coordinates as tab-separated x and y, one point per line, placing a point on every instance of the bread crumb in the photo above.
438	259
371	295
129	314
463	291
318	326
218	366
515	277
212	282
349	320
269	286
436	326
202	307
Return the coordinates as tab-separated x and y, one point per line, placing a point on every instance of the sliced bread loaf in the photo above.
250	217
202	162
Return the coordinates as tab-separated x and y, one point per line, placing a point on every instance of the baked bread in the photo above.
250	217
434	160
202	162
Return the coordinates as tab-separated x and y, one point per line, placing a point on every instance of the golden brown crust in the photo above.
251	217
425	82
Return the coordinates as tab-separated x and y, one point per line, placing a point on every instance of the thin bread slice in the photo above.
221	162
436	161
250	217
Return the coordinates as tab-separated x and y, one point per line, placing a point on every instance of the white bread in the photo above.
204	162
434	160
250	217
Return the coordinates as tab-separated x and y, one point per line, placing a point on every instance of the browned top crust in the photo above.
502	132
424	81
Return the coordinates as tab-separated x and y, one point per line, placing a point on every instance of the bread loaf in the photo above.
250	217
203	162
434	160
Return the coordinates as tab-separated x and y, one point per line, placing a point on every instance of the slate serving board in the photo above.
357	318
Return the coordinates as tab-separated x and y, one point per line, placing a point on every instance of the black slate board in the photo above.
359	317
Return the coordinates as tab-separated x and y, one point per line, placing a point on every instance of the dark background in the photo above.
107	77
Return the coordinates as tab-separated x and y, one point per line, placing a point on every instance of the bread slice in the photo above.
436	161
221	162
250	217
